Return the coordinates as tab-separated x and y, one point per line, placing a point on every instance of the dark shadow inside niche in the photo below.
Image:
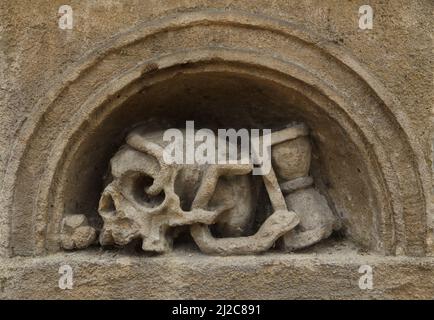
225	100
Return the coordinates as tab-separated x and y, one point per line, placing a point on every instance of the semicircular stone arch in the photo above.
329	85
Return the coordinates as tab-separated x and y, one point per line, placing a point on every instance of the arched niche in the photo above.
366	158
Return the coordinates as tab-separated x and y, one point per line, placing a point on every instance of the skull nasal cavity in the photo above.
106	203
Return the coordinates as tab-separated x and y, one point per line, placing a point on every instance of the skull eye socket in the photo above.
140	183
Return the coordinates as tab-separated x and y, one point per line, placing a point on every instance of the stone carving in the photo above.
147	196
149	199
291	160
314	221
76	233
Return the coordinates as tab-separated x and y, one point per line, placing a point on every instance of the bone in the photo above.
279	223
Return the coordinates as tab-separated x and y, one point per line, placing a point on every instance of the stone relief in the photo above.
76	233
223	206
